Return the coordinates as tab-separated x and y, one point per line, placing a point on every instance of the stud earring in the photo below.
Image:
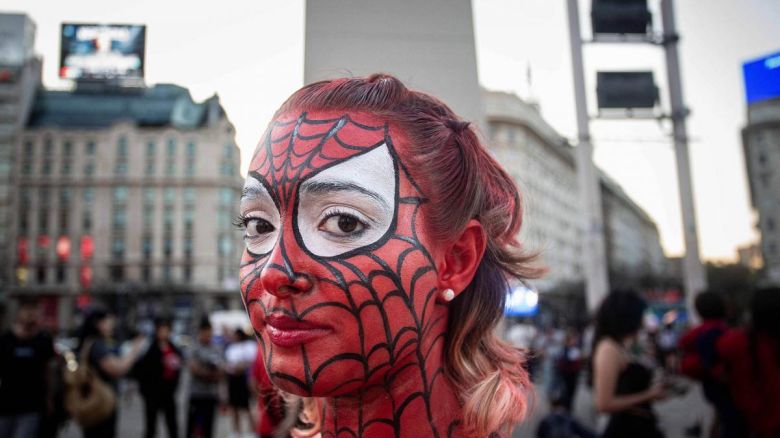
447	295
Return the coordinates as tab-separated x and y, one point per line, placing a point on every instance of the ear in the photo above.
462	258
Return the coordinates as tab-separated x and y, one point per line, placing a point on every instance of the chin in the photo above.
334	377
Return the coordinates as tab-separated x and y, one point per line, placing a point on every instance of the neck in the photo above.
420	400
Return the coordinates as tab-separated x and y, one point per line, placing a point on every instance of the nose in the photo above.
282	284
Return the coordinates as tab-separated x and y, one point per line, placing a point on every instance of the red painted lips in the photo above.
287	332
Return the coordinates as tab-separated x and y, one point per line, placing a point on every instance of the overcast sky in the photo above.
251	54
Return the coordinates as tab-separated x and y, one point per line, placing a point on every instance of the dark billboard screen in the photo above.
762	78
102	51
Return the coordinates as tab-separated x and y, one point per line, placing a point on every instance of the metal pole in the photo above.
594	254
693	272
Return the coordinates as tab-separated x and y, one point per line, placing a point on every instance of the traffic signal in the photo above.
622	89
620	17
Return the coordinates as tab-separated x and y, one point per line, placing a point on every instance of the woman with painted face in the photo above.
380	235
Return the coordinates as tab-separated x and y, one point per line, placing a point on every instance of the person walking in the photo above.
752	364
206	368
622	383
96	336
239	358
158	374
700	361
26	353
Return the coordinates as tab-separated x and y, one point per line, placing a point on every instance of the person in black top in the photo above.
96	334
622	384
25	356
158	374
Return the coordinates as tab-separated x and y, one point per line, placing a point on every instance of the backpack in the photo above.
88	399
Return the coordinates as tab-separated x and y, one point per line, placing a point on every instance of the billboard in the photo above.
762	78
102	51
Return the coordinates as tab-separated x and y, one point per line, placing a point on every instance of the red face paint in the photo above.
337	278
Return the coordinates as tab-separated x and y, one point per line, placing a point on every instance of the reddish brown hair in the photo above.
462	182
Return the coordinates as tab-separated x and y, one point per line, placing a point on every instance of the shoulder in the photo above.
732	342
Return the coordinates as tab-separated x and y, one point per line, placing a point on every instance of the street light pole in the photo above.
594	254
694	277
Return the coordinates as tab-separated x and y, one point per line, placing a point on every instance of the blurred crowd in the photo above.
627	363
623	363
45	384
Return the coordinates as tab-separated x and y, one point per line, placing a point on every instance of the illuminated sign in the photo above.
521	301
102	51
762	78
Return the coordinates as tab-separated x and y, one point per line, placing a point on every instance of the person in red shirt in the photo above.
752	364
700	361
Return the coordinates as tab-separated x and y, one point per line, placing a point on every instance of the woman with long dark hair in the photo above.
96	335
379	235
622	384
752	364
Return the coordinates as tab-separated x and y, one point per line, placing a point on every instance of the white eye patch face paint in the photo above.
348	206
260	216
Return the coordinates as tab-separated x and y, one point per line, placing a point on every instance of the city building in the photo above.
633	246
542	162
20	77
127	195
761	143
749	256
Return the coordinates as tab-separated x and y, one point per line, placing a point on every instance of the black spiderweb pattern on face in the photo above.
293	151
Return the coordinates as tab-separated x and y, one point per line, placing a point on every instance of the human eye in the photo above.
343	224
254	226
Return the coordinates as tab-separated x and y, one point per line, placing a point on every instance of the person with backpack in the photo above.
701	361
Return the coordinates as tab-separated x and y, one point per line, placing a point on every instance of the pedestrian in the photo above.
752	364
239	358
568	368
700	361
158	374
96	343
622	384
206	368
560	423
26	353
380	235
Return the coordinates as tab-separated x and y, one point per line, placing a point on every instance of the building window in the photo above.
148	217
188	248
89	169
151	148
120	218
27	157
146	273
770	224
146	247
23	221
117	273
167	273
117	248
169	196
226	197
64	220
86	221
167	247
89	195
227	152
40	275
61	273
191	150
122	147
170	167
121	168
120	195
189	196
67	148
187	273
89	148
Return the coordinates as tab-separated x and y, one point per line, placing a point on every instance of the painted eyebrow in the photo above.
321	187
252	192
